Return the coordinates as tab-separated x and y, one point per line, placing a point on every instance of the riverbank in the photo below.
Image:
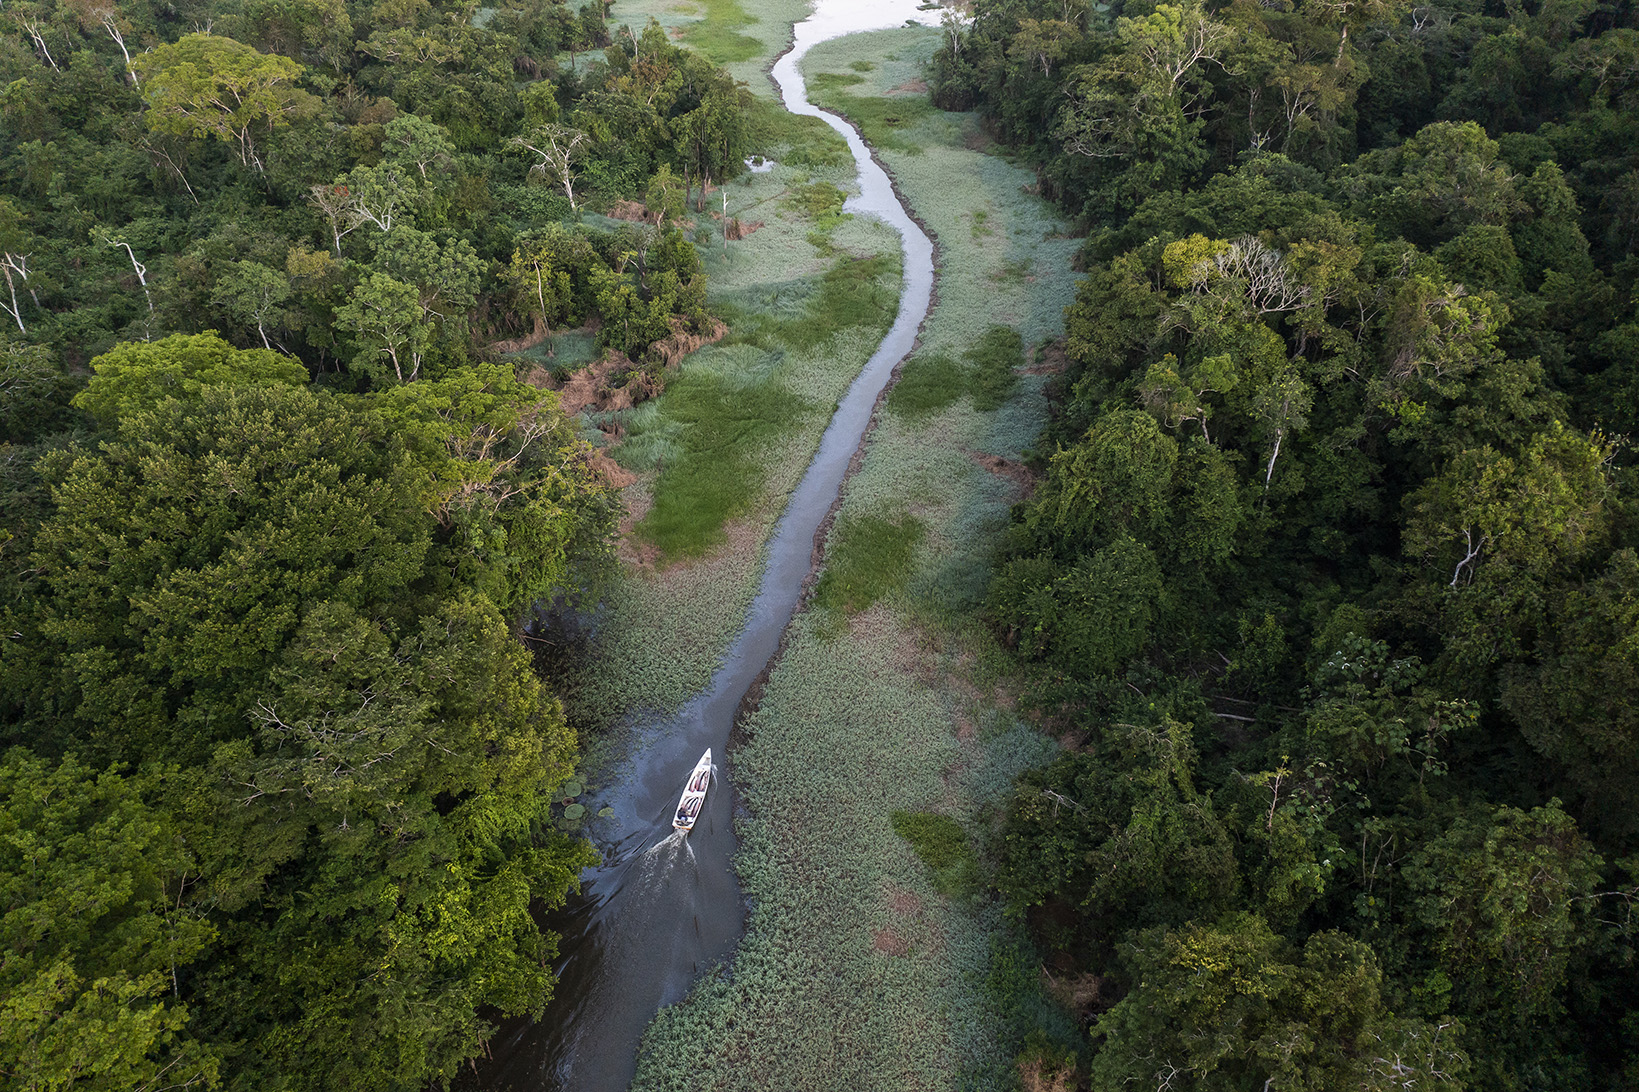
862	965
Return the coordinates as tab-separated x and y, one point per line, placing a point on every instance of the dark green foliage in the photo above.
1117	838
852	293
285	612
879	118
1331	488
993	359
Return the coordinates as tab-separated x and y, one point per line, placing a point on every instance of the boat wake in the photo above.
668	846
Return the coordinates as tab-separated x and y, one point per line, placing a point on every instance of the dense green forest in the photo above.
275	766
1330	579
1329	582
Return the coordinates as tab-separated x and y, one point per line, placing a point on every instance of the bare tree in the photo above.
9	264
141	270
33	26
1270	284
334	200
558	146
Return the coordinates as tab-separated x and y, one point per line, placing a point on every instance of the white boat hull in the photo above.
693	800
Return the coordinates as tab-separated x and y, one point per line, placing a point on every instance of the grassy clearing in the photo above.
710	439
993	360
718	34
561	353
880	750
795	140
931	382
885	123
928	383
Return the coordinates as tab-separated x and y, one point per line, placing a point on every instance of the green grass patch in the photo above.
718	34
943	846
863	66
867	558
816	200
999	350
710	442
821	83
561	354
853	292
793	139
881	121
928	383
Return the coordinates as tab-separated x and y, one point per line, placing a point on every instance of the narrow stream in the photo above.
661	909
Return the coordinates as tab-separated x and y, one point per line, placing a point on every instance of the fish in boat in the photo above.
694	793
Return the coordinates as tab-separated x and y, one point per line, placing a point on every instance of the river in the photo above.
660	909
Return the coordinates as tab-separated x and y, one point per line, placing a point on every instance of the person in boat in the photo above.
688	811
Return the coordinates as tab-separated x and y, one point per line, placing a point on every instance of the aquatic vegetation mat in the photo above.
871	768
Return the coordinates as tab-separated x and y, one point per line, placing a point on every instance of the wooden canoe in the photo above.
694	793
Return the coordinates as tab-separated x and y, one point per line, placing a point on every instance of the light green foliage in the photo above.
91	879
383	315
499	463
718	35
413	141
139	376
819	201
205	85
854	292
255	295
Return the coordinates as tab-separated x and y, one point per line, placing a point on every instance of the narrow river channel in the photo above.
660	910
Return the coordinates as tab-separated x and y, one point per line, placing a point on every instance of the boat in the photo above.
694	794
